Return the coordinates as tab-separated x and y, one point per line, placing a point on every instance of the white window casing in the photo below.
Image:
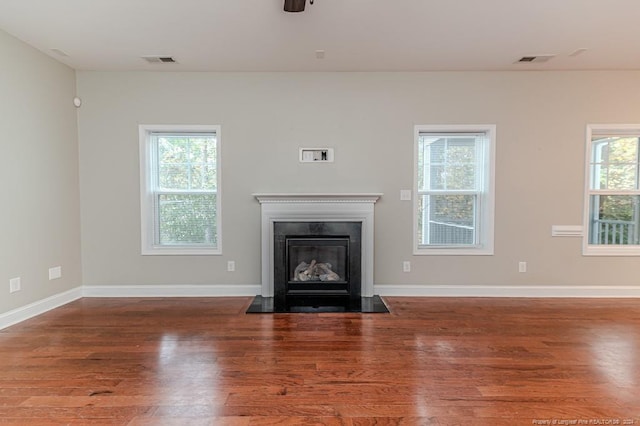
180	197
454	189
612	190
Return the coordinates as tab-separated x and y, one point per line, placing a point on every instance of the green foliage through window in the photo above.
185	189
614	199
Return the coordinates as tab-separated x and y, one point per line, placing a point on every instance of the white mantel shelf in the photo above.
309	207
318	197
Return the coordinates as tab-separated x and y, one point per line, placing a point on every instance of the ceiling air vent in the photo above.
534	59
159	59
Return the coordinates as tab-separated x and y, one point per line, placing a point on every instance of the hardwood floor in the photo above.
429	362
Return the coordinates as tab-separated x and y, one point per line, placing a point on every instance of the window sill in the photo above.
471	251
601	250
184	251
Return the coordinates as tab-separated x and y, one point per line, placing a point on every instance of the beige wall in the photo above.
368	118
40	213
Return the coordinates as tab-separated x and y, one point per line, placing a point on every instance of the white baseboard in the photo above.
29	311
508	291
171	290
41	306
382	290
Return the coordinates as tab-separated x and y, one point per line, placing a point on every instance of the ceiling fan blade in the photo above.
294	5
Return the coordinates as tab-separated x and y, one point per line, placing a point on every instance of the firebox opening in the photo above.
318	260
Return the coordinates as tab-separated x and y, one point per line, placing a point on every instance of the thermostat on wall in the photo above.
316	155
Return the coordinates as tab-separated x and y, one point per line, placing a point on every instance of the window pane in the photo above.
173	176
461	177
203	163
614	163
172	150
450	162
203	176
614	219
437	147
614	176
437	175
203	149
187	219
461	150
187	162
447	219
622	176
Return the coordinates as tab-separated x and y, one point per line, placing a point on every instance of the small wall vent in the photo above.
566	231
159	59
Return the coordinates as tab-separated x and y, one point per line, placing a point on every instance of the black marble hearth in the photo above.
265	305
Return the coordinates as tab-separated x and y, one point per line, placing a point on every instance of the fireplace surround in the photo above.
317	264
321	208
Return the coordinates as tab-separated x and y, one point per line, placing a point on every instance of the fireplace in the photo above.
317	264
335	229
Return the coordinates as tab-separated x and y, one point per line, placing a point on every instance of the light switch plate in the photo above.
405	195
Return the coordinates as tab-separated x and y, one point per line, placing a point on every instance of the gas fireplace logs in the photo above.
314	272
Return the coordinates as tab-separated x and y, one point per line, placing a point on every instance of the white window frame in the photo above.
485	225
589	249
148	212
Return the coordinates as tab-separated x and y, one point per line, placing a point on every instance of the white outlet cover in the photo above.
14	285
55	273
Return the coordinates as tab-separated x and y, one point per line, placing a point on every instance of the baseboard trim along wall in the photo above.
382	290
41	306
171	290
508	291
36	308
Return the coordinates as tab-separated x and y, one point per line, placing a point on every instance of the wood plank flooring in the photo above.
203	361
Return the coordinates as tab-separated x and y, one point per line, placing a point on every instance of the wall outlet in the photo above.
14	285
55	273
522	266
231	266
406	266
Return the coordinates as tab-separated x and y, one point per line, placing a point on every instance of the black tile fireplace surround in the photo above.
299	249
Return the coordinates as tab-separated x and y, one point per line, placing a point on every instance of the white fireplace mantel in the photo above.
317	207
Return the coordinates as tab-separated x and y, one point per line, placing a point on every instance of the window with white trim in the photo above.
454	195
180	189
612	195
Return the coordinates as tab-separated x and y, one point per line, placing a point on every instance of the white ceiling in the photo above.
356	35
